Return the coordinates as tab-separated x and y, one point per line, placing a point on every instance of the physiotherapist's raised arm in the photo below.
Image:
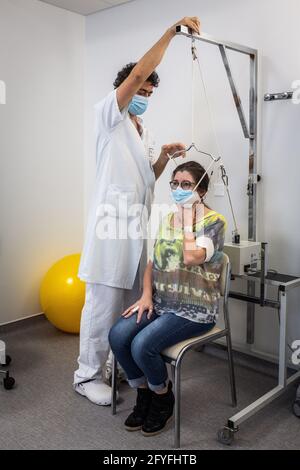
148	63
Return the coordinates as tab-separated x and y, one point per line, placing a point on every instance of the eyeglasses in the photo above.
185	185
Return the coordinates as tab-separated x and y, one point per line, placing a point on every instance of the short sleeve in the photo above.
151	251
161	233
149	142
151	246
212	237
108	114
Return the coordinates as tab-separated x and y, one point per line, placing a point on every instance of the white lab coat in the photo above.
123	169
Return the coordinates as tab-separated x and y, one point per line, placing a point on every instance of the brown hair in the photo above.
197	171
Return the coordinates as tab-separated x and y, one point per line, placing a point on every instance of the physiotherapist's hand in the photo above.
191	22
168	150
139	307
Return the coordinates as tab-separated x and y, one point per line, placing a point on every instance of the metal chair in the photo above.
5	360
174	354
296	406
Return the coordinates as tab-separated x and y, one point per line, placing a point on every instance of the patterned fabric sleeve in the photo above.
213	236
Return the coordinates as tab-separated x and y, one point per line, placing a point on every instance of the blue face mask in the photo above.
138	105
181	196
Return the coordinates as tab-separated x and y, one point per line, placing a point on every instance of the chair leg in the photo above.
114	386
231	370
177	374
173	373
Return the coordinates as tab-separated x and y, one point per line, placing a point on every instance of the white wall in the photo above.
115	37
41	147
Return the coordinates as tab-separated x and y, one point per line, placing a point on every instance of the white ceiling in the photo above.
85	7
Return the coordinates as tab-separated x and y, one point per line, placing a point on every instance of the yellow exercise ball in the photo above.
62	294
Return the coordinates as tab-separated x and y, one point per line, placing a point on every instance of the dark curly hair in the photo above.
126	71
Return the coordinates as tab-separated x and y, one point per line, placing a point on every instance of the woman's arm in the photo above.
147	282
192	254
200	248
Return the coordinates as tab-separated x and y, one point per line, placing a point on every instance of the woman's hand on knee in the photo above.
139	307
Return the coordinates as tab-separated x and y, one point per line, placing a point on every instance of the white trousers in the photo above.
103	306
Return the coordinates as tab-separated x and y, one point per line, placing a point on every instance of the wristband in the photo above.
188	229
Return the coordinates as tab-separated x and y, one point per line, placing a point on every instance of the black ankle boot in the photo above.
136	419
160	412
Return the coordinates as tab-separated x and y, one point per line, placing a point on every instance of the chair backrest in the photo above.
225	275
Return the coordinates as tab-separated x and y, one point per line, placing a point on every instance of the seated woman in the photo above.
181	289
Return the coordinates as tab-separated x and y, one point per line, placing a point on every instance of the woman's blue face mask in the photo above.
185	196
138	105
181	196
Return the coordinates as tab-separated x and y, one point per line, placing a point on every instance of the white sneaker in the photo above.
97	392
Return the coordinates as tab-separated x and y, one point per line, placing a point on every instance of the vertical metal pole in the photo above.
173	373
252	185
114	386
252	148
263	275
282	339
177	404
250	314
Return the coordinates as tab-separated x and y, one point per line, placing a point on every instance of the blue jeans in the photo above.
137	347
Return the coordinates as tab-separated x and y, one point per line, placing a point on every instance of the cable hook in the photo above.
194	48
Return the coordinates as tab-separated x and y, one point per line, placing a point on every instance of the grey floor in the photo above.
43	411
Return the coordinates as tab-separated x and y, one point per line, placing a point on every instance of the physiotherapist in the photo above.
113	266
